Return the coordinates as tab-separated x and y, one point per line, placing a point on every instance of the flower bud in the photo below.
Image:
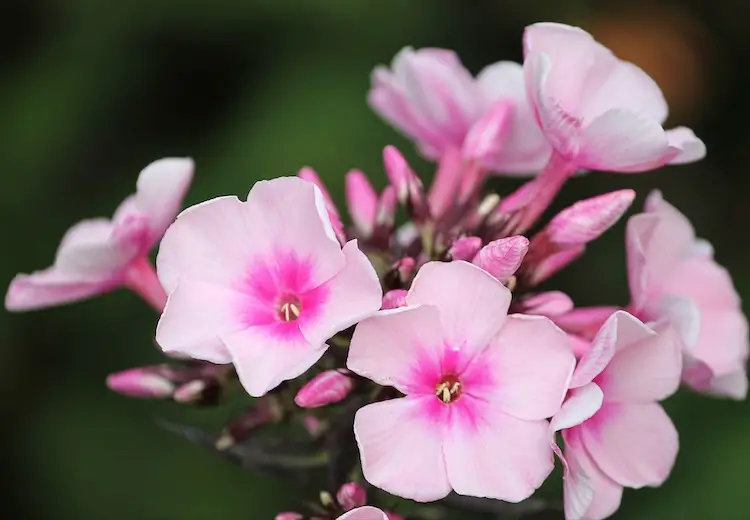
405	268
393	516
198	391
351	495
314	426
327	387
465	248
361	201
409	188
311	175
588	219
387	207
289	515
502	258
550	265
394	299
147	382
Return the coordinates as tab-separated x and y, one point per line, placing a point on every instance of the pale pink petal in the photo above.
634	444
580	405
211	241
401	449
683	315
364	513
628	87
689	147
532	363
604	347
89	252
551	303
387	346
579	64
289	214
472	303
554	263
583	321
160	189
351	295
732	384
361	201
465	248
49	288
524	149
640	233
623	141
196	316
265	356
498	456
589	494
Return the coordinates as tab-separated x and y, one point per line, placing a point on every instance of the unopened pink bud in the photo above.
588	219
399	173
394	299
465	248
289	515
191	391
351	495
361	201
405	268
393	516
313	425
485	137
311	175
140	382
552	303
502	258
387	207
327	387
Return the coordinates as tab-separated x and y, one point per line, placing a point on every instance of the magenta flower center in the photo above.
448	390
289	309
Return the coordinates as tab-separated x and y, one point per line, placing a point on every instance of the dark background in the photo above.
91	91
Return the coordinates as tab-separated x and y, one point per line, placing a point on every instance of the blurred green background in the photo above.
91	91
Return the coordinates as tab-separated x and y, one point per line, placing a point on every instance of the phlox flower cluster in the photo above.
462	376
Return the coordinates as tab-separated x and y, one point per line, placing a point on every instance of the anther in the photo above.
448	390
290	311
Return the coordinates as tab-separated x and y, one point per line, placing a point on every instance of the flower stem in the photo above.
140	277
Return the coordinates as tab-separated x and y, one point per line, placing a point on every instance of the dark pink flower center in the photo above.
289	309
448	390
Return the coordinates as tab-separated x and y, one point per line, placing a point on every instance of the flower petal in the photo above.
499	457
532	363
634	444
472	303
623	141
401	449
689	147
589	494
48	288
647	365
351	295
197	314
267	355
364	513
580	405
389	346
160	188
211	241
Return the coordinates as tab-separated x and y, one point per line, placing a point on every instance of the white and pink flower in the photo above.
478	387
674	278
616	434
262	284
99	255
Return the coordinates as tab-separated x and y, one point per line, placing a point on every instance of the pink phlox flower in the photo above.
478	387
616	434
262	284
674	278
98	255
430	96
599	112
364	513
